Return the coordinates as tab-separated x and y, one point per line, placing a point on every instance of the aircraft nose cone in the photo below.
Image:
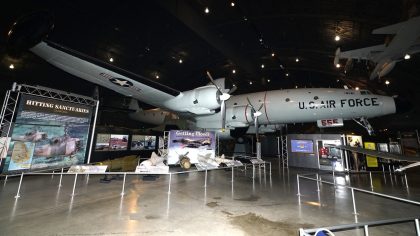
402	105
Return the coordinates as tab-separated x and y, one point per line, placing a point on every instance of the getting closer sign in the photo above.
330	123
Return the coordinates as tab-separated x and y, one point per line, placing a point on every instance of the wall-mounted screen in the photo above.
118	142
303	146
102	142
150	142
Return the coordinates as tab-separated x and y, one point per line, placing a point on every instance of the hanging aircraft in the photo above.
406	41
210	107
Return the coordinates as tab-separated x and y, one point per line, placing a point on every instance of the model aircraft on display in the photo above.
406	41
210	107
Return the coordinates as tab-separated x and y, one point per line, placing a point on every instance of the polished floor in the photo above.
265	205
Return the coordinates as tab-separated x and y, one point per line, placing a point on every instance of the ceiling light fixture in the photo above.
337	38
268	80
297	59
338	65
12	66
207	10
387	82
111	59
262	65
250	82
233	71
357	88
157	76
407	56
180	61
273	54
287	74
232	4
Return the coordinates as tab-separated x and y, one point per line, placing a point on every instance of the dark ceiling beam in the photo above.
187	15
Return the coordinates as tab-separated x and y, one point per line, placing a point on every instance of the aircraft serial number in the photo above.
357	102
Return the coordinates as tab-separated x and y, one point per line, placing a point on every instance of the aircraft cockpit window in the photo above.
287	99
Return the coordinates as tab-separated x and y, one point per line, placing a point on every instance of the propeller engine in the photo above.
223	97
255	113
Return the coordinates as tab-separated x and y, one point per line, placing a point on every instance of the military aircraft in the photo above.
59	146
406	41
210	107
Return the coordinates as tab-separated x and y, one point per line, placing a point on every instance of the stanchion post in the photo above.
52	175
74	185
406	181
366	228
298	187
87	178
253	171
61	178
354	202
317	182
333	167
371	181
122	192
416	222
205	179
270	168
232	174
265	168
170	180
20	183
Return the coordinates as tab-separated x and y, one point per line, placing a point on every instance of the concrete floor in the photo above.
266	205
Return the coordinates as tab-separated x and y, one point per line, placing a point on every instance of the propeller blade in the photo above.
223	113
214	83
233	89
256	129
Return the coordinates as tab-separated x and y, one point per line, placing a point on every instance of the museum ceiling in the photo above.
176	42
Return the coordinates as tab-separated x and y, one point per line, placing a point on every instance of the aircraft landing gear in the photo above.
365	124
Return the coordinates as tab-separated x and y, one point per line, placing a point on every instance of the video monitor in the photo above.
302	146
118	142
150	142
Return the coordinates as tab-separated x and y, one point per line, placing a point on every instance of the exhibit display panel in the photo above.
371	161
315	151
143	142
118	142
193	144
102	142
48	133
329	155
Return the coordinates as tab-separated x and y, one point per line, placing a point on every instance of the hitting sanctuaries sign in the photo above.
190	143
48	133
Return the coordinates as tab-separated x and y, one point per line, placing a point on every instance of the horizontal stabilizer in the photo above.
362	53
393	29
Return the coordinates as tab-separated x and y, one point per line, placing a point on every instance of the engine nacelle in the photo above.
200	101
239	116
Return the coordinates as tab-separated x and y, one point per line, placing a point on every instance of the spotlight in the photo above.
12	66
262	65
407	56
338	65
157	76
250	82
180	61
287	74
387	82
268	80
111	59
232	4
206	10
337	38
233	71
357	88
297	59
273	54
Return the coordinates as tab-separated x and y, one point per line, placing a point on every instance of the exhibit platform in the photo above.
195	203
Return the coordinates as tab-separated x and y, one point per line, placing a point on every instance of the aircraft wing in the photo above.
104	74
362	53
384	155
